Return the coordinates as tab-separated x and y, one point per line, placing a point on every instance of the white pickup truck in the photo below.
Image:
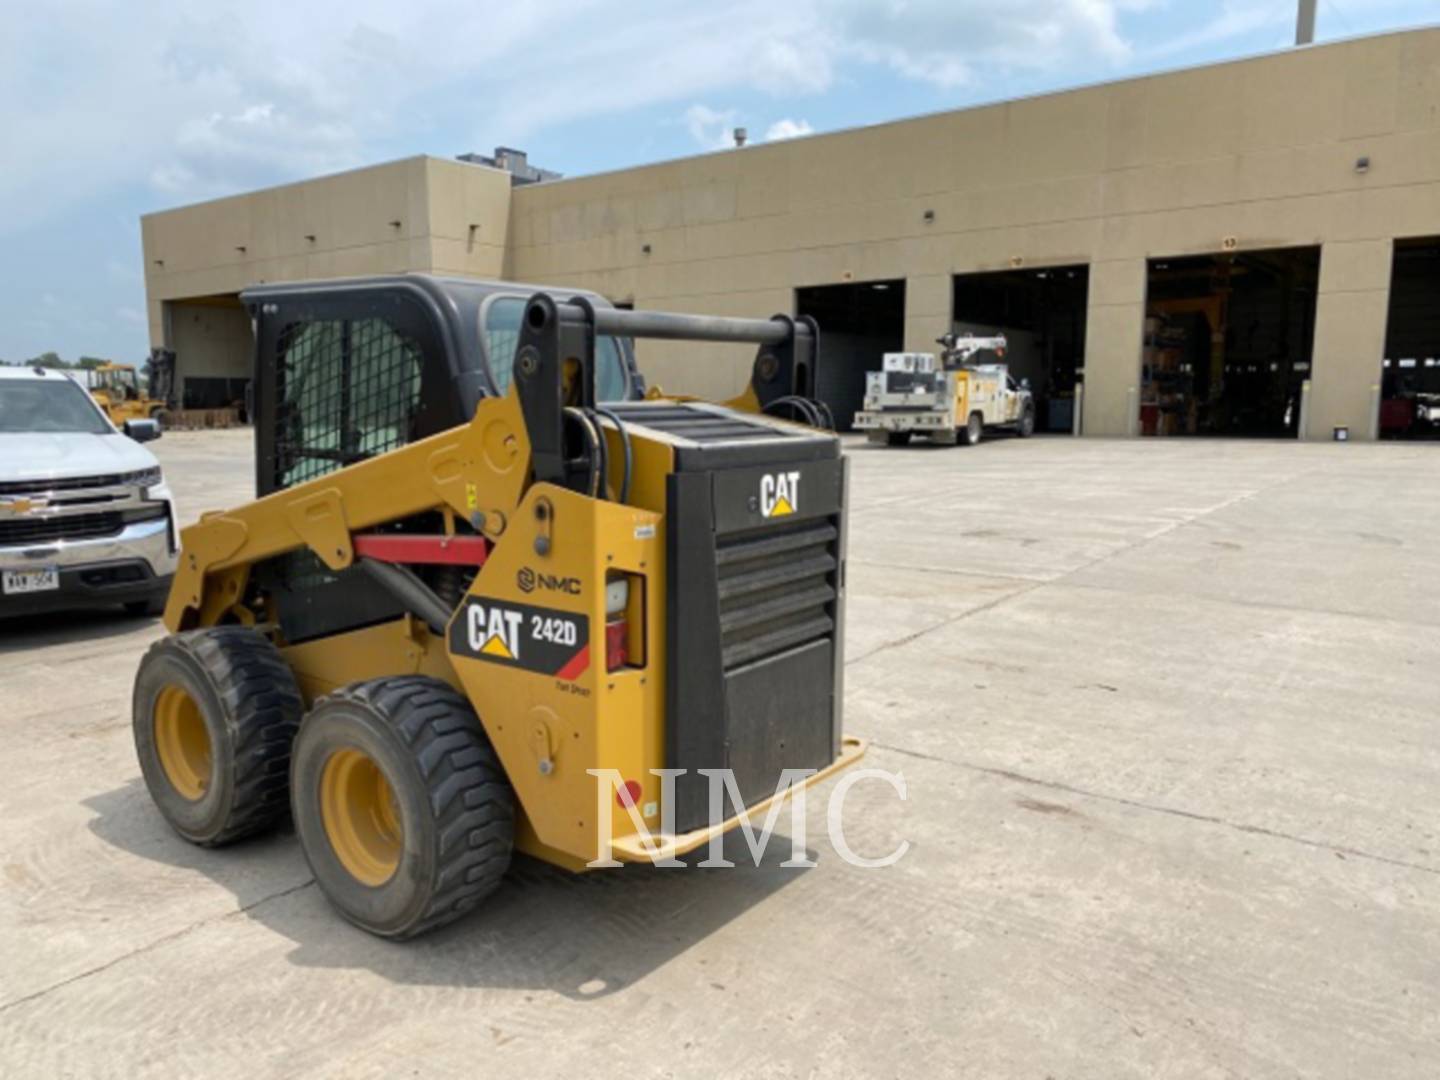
85	516
948	399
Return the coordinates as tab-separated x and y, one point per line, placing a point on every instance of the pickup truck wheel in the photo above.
402	807
973	431
1026	427
214	713
897	438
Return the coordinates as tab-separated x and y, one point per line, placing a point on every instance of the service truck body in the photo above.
948	400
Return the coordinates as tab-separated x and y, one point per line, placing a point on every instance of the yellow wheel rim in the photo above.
362	823
182	743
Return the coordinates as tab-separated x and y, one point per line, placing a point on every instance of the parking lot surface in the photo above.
1166	716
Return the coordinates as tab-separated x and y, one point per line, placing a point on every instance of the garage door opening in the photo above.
214	349
1228	343
859	323
1410	372
1042	315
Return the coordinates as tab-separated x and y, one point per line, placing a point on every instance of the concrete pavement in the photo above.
1165	713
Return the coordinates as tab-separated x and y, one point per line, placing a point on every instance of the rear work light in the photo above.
617	603
616	631
624	620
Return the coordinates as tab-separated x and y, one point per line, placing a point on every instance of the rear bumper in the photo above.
638	847
902	421
135	564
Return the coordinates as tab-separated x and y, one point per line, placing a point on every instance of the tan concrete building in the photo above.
1206	251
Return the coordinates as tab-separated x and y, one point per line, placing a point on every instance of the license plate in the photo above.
40	579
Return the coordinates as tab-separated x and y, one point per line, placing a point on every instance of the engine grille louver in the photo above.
775	590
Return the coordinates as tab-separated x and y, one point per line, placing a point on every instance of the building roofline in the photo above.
1100	84
1252	58
247	193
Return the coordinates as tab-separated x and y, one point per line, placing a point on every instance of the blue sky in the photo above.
109	111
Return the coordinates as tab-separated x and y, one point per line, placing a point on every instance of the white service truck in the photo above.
948	399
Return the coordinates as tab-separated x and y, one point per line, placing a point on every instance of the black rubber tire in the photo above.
1026	427
972	432
251	709
456	807
897	438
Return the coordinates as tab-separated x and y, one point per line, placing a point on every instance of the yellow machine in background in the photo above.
116	389
424	646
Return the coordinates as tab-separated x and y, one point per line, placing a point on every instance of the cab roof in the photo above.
460	291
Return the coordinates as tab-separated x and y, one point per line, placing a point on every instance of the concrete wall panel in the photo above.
1351	309
1113	333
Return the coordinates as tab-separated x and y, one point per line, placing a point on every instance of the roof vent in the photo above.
515	162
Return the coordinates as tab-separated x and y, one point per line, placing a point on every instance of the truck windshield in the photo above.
502	333
53	404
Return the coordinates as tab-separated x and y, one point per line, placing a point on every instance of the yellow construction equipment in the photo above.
489	588
117	390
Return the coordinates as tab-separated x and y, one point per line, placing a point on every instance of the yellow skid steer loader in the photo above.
485	573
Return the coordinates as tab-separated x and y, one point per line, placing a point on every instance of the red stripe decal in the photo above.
427	550
576	665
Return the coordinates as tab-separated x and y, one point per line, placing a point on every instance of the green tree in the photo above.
47	360
90	363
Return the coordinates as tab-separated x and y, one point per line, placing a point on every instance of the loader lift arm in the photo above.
477	472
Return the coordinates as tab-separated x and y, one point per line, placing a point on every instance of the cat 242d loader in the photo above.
481	564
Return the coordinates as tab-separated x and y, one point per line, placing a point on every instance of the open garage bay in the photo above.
1166	718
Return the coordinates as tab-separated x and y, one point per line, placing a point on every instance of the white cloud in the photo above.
949	44
710	128
1234	19
796	66
787	129
192	101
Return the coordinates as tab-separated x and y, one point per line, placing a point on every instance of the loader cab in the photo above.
347	370
117	380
